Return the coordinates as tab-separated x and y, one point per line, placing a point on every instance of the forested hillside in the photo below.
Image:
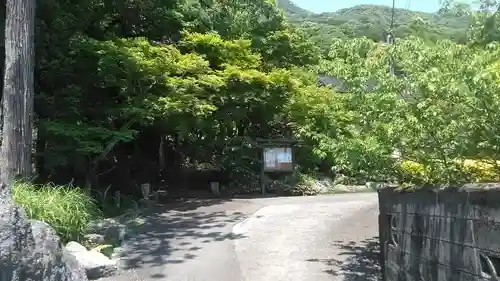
291	10
374	21
129	92
176	93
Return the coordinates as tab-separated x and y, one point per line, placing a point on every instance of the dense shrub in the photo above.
197	83
107	202
467	170
480	171
300	185
411	171
66	208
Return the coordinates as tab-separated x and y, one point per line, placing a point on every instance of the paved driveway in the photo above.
272	239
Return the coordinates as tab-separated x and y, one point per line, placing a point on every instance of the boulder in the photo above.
112	229
44	235
104	249
74	247
96	264
30	250
94	239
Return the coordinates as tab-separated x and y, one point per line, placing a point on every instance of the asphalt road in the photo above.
272	239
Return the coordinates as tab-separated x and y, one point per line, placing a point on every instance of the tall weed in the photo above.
66	208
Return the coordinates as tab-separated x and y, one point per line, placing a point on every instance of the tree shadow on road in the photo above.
357	261
173	234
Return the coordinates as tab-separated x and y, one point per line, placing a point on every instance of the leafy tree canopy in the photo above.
142	91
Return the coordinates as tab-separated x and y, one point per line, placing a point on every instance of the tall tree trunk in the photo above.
18	92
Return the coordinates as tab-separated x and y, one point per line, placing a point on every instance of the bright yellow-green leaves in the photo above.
212	76
441	107
219	52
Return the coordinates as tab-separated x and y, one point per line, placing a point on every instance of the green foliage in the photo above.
140	91
67	209
106	90
219	52
485	27
106	249
480	171
413	172
440	106
111	205
452	94
303	185
465	171
340	123
297	184
288	48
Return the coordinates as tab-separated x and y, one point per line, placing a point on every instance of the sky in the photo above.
320	6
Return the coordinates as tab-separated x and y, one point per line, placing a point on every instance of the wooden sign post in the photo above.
277	157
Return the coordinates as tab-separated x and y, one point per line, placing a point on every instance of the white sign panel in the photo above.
278	158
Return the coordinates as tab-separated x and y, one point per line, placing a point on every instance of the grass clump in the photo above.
65	208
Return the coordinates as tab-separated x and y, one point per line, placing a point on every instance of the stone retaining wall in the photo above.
446	235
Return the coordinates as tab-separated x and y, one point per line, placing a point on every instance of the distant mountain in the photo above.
373	21
291	9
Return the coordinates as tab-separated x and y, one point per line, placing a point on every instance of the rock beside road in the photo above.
94	239
100	253
113	230
96	264
30	250
110	230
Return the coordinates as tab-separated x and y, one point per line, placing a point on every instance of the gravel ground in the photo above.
277	239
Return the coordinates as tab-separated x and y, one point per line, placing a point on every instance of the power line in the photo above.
390	36
393	13
407	6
